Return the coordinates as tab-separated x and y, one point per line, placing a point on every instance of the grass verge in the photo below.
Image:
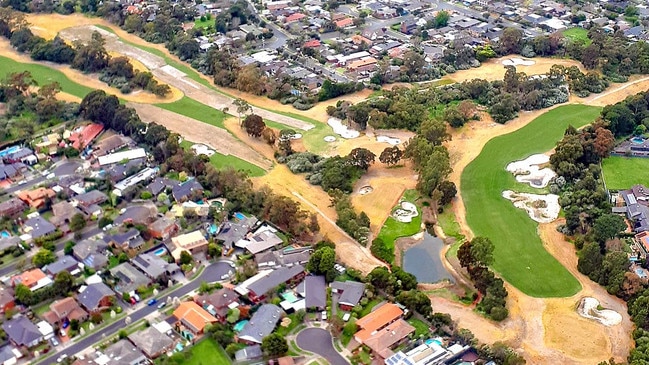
622	172
519	254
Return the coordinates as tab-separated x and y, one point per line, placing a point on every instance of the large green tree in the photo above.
274	345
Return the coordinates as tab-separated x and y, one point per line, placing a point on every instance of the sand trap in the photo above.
365	190
388	140
588	309
541	208
341	129
518	62
406	213
296	136
329	139
527	171
201	149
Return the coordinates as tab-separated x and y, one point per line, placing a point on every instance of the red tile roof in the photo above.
314	43
83	138
344	22
294	17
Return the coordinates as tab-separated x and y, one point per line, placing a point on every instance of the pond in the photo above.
424	260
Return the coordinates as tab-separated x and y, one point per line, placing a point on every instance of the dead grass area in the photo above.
494	69
193	130
89	80
619	92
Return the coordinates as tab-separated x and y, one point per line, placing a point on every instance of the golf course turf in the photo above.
519	254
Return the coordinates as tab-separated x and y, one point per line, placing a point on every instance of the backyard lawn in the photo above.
621	173
220	161
207	352
393	229
577	34
43	75
519	254
421	328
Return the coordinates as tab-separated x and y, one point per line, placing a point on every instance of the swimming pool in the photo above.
637	140
214	229
239	216
641	273
289	297
5	234
431	341
239	326
9	150
159	252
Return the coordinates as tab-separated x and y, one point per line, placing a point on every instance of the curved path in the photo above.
320	342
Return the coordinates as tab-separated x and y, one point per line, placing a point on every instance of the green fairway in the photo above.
519	255
193	109
577	34
222	161
207	352
43	75
393	229
621	173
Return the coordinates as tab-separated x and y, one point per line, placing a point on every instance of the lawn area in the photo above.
449	225
222	161
193	109
393	229
577	34
203	23
368	308
421	328
207	352
519	254
617	172
43	75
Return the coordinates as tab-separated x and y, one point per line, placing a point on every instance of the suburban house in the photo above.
130	239
9	355
193	242
388	337
161	184
89	202
261	324
21	155
12	207
152	342
33	279
231	232
10	242
65	263
137	214
219	302
350	293
82	137
96	297
249	353
120	157
636	201
259	285
62	310
36	198
62	213
163	228
128	278
184	191
123	352
91	253
260	242
288	256
314	291
7	300
38	227
432	352
22	332
377	320
155	267
193	317
110	145
9	172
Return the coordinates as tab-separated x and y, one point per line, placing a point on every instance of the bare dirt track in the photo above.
196	131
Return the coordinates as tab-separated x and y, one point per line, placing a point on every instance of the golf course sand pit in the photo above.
494	69
201	149
365	190
389	140
588	308
341	129
329	139
517	62
541	208
406	212
528	171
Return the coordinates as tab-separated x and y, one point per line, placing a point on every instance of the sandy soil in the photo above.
89	80
495	70
619	92
216	138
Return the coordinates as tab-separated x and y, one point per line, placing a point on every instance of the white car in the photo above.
61	358
346	317
324	315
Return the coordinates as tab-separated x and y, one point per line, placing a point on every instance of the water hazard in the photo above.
424	260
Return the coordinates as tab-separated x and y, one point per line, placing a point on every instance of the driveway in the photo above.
319	342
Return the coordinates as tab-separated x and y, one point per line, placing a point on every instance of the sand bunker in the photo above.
527	171
388	140
405	213
341	129
588	309
517	62
329	139
541	208
365	190
201	149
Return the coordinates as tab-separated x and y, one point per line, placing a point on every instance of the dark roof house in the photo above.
155	267
65	263
314	290
184	191
261	324
22	332
38	227
151	342
350	292
90	253
96	297
129	239
129	278
123	352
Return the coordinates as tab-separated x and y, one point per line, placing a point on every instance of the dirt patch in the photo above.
494	69
196	131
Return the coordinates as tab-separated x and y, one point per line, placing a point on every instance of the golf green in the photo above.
519	254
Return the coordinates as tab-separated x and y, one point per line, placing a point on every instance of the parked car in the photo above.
54	341
151	302
162	305
346	317
324	315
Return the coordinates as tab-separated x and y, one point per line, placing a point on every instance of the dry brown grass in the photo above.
494	70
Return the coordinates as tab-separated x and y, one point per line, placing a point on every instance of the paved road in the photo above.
62	169
319	341
210	274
